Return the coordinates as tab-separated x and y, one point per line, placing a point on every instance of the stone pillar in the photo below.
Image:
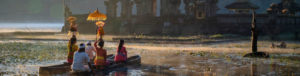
169	13
129	8
205	8
170	7
211	8
124	4
200	12
154	7
175	6
139	6
189	7
126	8
111	8
146	7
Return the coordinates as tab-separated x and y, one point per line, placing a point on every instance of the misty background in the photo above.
35	13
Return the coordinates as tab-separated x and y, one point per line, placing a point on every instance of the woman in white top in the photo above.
90	50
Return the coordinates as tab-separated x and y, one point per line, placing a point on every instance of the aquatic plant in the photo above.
216	36
17	52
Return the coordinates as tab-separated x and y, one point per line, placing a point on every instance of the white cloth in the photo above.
80	60
81	46
90	50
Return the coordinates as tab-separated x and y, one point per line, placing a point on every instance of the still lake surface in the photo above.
30	27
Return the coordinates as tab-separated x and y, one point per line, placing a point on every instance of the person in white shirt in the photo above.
81	61
90	50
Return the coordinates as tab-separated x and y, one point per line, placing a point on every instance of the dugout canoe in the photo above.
65	67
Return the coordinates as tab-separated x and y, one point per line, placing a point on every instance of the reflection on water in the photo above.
185	63
207	66
120	72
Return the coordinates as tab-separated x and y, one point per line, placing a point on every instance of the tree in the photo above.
254	35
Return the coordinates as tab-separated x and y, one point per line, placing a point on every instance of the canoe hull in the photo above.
63	68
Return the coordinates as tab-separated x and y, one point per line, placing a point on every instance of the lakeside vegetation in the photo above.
18	52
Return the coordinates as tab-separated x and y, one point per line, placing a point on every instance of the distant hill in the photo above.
31	10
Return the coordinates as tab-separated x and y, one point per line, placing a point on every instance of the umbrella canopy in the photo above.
96	16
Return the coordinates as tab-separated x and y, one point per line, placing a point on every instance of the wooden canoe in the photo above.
65	67
133	60
60	68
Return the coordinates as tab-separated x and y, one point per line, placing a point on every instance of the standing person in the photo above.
72	47
81	60
90	50
100	60
100	30
73	26
121	56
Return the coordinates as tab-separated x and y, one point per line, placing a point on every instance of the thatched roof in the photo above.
242	5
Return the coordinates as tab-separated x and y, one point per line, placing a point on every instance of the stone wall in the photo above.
171	22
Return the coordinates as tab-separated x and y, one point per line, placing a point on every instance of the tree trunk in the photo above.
254	33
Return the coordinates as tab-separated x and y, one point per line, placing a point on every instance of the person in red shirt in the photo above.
121	56
100	60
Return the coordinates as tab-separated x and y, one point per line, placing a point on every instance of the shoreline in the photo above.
194	39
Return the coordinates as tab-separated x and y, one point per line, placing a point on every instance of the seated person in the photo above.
100	60
81	61
90	50
121	56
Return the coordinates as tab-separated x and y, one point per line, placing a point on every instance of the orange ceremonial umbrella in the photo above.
96	16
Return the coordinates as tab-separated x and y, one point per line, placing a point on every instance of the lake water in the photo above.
30	27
